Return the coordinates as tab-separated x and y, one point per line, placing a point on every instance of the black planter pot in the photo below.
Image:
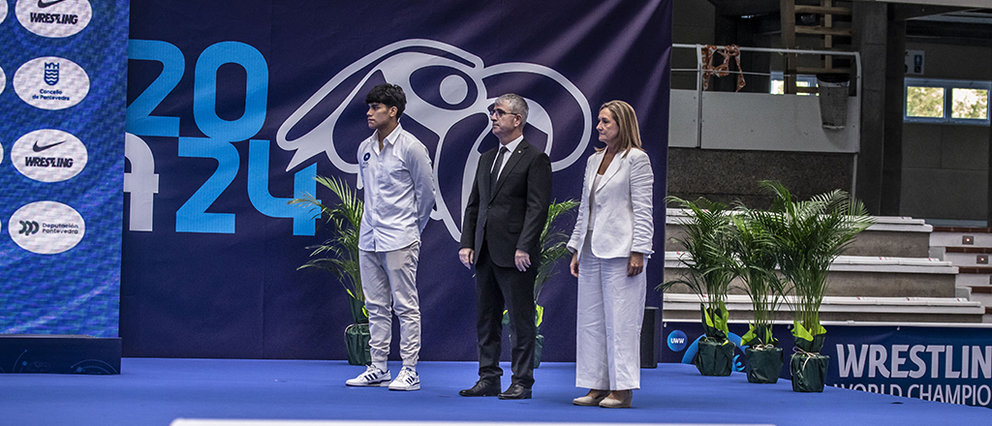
808	372
715	357
356	340
763	365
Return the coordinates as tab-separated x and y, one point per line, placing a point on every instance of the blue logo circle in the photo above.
366	157
677	341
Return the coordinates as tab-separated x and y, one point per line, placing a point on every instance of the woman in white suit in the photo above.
610	244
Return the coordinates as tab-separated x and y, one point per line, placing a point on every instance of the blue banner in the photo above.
234	107
950	364
62	79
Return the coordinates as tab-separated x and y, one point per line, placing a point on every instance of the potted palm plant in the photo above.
809	235
754	249
339	255
708	260
553	244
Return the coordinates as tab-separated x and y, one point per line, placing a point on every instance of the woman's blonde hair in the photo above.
626	118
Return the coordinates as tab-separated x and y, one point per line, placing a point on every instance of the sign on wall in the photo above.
950	364
234	109
62	77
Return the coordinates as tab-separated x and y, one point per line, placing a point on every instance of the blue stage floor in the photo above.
156	391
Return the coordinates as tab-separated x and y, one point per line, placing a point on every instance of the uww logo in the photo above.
29	227
448	97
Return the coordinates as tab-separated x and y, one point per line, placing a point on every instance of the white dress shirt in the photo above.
399	191
510	147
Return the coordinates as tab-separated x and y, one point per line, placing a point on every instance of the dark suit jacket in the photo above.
513	216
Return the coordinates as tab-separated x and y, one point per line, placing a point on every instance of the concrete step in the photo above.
891	236
967	256
981	294
864	276
834	308
975	270
943	236
962	292
964	279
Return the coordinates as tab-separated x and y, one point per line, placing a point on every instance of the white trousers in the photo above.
608	323
389	280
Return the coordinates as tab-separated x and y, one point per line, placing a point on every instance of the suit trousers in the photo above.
608	323
497	286
389	280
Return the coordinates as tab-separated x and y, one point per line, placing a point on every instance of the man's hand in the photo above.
636	263
522	260
467	256
574	266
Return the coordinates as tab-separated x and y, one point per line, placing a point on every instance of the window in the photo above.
777	86
947	101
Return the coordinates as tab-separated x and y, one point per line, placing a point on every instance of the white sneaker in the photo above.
407	380
372	376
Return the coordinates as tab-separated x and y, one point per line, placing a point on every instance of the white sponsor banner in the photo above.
54	18
49	155
51	83
46	227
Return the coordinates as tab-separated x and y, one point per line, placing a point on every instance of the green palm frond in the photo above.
339	253
553	244
754	249
710	264
809	235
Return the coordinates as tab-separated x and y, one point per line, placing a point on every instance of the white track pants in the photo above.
608	323
389	280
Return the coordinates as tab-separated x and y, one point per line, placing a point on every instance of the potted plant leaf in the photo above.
339	255
754	248
809	235
708	260
553	244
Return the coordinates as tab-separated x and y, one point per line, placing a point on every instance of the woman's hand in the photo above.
636	264
574	265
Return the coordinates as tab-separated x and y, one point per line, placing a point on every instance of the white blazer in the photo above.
622	206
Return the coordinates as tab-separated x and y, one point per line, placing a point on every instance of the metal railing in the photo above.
701	70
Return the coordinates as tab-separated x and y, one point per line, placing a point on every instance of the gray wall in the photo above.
945	166
732	175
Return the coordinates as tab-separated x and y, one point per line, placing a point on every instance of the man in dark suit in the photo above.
501	230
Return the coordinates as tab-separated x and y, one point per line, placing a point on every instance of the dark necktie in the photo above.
496	166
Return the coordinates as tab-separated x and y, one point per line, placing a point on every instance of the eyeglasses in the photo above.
500	113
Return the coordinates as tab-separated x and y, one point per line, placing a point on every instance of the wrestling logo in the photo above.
51	83
449	92
54	18
49	155
46	227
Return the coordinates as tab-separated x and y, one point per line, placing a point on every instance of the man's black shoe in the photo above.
484	387
516	391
